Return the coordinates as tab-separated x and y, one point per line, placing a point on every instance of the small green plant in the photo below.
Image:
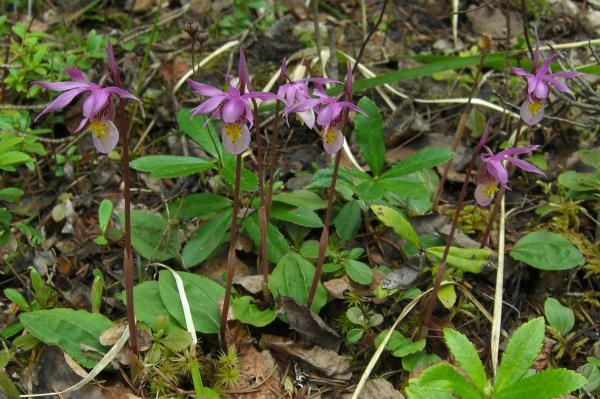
514	379
591	370
561	320
362	321
104	214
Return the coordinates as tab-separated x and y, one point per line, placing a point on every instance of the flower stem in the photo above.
127	252
231	251
496	208
460	128
442	267
325	233
262	213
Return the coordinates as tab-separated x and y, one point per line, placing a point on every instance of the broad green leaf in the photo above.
149	305
355	315
425	158
548	384
309	249
152	237
11	194
293	277
248	180
560	317
203	133
69	329
200	205
547	251
370	190
12	158
165	166
7	387
358	272
206	239
278	246
369	135
422	358
104	213
466	356
301	216
393	218
303	198
441	381
592	373
405	187
399	345
348	220
247	312
521	351
203	295
469	260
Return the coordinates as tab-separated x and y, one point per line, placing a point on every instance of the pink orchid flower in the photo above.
98	108
296	92
231	107
329	115
532	110
493	172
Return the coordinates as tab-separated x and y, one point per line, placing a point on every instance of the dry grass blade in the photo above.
365	376
497	316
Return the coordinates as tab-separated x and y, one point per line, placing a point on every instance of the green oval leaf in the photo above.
560	317
292	277
547	251
425	158
358	271
165	166
69	329
203	295
247	312
300	216
393	218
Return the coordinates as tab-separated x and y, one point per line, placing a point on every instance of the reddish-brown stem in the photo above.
272	156
325	233
501	192
440	273
459	130
127	253
262	219
231	251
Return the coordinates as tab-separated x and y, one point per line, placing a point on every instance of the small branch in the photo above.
315	9
371	32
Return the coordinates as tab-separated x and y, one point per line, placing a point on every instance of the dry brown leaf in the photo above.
252	284
310	325
262	376
324	361
337	286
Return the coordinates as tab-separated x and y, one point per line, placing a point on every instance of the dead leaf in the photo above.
252	284
402	278
377	389
310	325
262	376
216	267
324	361
337	286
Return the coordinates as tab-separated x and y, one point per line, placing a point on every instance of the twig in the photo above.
315	10
498	293
366	40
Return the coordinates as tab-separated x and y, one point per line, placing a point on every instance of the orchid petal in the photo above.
520	71
95	102
108	141
541	90
536	55
239	139
308	117
504	154
209	105
62	86
82	123
484	135
262	95
333	140
121	93
328	114
243	72
481	194
232	109
202	89
112	64
545	68
497	171
61	101
566	74
560	86
352	107
76	75
526	166
532	112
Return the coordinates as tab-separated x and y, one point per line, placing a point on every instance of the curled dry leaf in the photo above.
306	322
326	362
261	376
544	357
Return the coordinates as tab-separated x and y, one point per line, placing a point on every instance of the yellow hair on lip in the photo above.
233	131
329	135
490	190
534	107
99	128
